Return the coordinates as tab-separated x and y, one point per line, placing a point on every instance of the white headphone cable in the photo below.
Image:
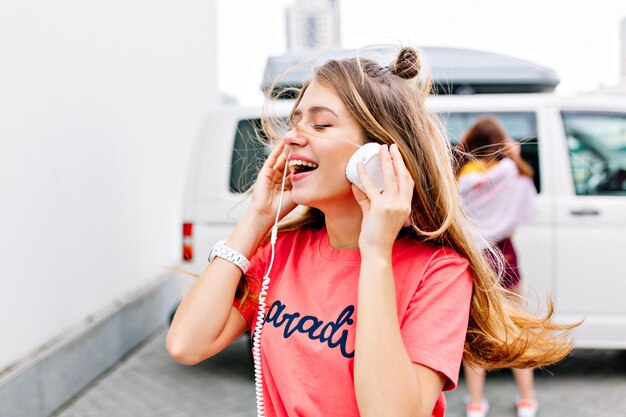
258	328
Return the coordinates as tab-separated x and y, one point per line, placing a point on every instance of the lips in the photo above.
301	166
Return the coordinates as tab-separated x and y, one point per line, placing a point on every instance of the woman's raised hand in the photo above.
512	149
266	189
384	213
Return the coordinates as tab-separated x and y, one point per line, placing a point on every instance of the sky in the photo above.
577	39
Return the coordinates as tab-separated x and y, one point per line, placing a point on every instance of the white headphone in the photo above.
369	154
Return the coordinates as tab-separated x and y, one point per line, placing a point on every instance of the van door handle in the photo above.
585	212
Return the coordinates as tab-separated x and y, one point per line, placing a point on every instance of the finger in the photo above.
274	154
361	198
279	167
390	183
405	181
370	188
288	184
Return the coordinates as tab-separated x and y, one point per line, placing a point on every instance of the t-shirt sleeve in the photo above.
254	275
435	323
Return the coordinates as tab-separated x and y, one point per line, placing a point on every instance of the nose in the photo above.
295	137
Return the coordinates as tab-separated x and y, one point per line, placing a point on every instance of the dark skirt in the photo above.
510	276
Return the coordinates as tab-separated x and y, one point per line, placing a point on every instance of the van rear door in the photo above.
590	224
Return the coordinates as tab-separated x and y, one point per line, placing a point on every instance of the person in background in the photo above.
497	191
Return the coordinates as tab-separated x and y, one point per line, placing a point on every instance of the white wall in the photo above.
99	104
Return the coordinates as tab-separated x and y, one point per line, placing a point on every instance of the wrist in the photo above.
259	221
375	263
375	253
248	233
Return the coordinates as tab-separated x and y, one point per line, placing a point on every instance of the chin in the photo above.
325	202
300	197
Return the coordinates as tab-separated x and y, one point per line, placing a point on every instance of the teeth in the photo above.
295	162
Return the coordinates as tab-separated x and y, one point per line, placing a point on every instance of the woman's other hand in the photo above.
512	149
266	190
384	213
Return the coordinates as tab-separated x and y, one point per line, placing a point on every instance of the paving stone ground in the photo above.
148	383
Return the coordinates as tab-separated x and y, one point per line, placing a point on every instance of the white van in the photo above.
572	249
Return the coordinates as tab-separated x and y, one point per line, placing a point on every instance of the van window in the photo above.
597	150
249	153
521	126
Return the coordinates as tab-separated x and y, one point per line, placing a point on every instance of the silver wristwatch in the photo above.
231	255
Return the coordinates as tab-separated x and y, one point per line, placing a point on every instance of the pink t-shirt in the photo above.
307	345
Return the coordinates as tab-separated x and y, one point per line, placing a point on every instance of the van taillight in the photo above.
187	242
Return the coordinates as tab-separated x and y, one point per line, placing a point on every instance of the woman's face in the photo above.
323	137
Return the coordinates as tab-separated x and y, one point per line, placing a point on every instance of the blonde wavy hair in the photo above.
388	104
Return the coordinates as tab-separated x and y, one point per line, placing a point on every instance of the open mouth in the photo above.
298	166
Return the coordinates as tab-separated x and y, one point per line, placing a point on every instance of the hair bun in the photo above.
407	64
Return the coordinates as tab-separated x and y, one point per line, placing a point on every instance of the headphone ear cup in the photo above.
369	154
351	171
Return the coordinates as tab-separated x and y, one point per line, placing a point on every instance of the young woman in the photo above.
497	190
374	296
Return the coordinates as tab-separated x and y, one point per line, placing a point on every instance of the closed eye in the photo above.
320	127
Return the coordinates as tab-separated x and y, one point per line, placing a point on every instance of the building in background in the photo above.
620	87
313	24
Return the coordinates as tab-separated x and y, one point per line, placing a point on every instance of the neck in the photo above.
343	225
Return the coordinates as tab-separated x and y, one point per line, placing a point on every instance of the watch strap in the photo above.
221	250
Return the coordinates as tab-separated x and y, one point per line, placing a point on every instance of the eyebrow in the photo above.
316	109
